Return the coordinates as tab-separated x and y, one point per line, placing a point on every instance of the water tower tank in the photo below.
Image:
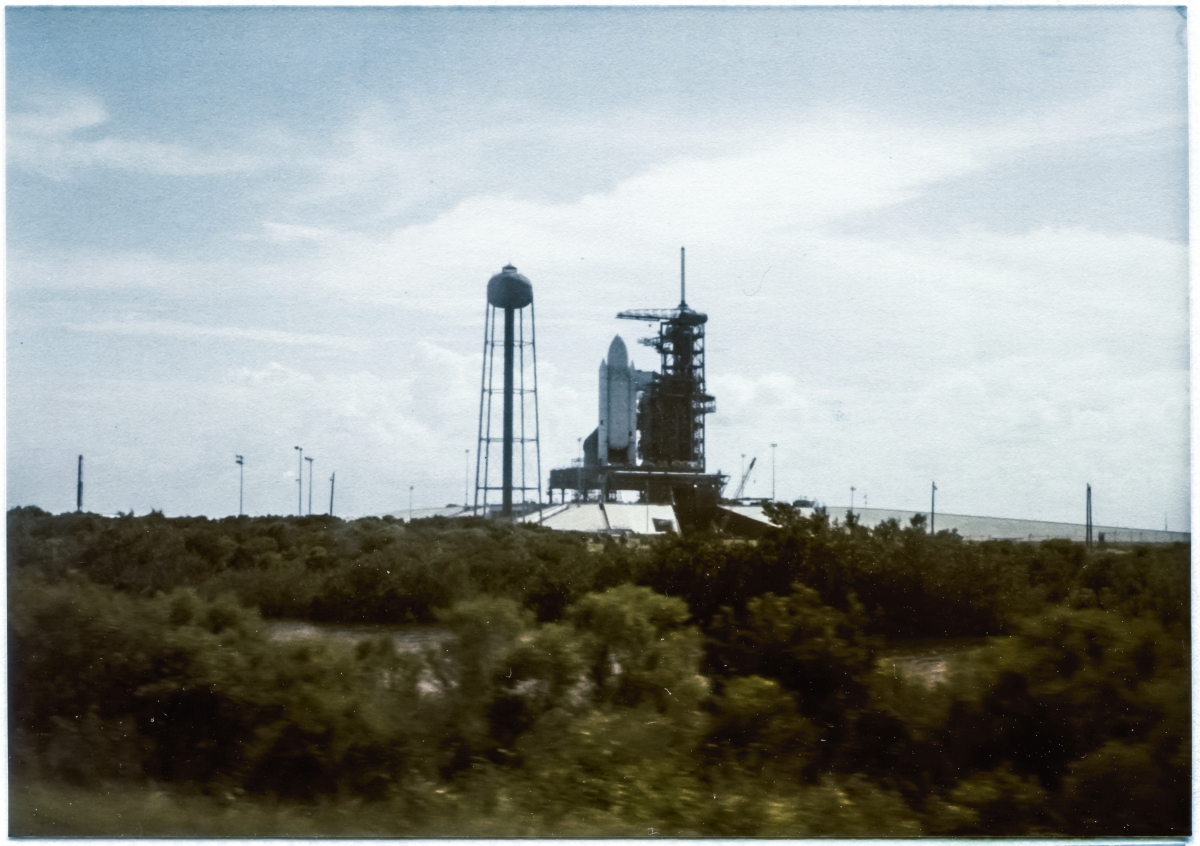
509	289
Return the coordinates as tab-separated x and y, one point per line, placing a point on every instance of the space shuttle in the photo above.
650	437
620	383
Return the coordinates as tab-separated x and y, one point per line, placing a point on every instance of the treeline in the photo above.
905	583
381	570
373	570
699	686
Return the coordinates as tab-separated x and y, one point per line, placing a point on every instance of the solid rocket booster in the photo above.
618	406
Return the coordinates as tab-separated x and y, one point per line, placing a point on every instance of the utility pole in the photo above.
331	493
932	512
300	482
1088	529
241	480
310	472
79	487
773	471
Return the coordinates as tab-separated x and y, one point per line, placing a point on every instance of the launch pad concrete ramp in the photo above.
611	518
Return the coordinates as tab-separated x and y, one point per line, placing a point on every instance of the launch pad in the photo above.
650	436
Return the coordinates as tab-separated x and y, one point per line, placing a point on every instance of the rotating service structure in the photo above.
512	423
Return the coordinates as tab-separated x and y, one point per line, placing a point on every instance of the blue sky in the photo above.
934	243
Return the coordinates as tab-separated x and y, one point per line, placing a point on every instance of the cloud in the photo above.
148	440
290	232
57	118
395	164
191	331
46	137
95	270
780	197
1011	366
403	165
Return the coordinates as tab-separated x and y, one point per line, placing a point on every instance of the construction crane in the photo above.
742	485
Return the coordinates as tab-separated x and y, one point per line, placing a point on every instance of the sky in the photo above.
934	244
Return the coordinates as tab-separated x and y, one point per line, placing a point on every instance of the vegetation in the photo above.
696	686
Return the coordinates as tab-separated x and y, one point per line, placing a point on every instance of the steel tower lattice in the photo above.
672	409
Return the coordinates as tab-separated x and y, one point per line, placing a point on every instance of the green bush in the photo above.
183	689
1083	702
694	686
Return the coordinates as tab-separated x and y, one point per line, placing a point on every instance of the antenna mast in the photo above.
682	281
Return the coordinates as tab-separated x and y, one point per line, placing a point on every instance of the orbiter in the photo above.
619	386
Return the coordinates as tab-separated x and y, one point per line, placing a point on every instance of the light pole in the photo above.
331	477
300	481
932	512
852	489
1088	528
466	475
310	469
410	489
241	481
773	471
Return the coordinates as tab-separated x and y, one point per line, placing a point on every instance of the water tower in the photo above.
510	294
